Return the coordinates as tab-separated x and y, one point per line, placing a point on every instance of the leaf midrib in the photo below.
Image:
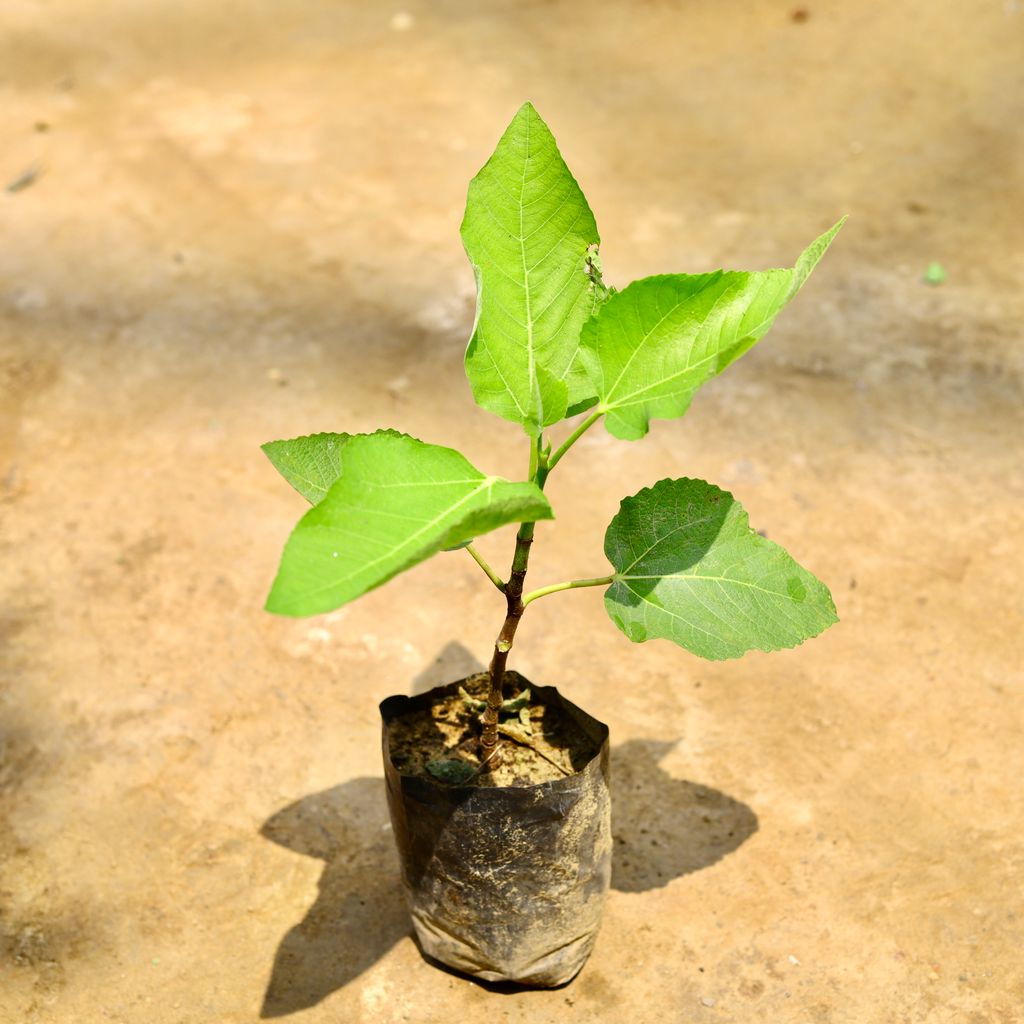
531	371
713	579
685	525
487	482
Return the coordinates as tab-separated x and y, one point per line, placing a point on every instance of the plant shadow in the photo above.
454	661
359	912
664	828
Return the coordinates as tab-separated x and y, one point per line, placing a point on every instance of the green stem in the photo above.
601	581
482	562
536	447
554	458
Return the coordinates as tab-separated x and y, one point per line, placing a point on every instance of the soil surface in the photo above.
227	223
539	744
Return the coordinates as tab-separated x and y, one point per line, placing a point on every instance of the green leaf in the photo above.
688	568
452	771
310	464
652	345
532	240
397	502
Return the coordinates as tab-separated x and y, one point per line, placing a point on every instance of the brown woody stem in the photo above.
513	613
503	644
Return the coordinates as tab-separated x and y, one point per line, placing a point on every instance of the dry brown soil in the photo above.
539	744
239	221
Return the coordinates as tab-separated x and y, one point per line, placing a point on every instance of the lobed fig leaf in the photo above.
688	568
652	345
396	502
532	240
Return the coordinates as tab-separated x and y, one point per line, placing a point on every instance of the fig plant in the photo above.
552	341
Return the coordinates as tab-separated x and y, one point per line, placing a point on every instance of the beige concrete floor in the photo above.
243	226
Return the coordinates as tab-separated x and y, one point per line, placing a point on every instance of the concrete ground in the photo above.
230	222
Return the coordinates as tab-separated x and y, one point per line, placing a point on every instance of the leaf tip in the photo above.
275	605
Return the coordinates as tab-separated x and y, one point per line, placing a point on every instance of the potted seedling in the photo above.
498	789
